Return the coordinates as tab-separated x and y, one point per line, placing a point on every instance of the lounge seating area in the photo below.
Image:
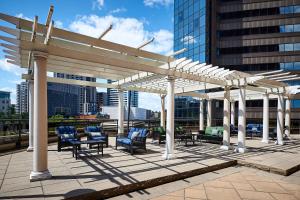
135	139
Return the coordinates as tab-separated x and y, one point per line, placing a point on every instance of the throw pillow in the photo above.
134	135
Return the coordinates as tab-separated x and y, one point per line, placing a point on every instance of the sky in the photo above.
134	22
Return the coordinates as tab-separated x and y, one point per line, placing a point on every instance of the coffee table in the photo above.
77	146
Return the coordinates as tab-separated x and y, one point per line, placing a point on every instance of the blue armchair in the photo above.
136	139
96	133
65	134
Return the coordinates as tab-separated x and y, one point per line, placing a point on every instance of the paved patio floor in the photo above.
233	183
118	168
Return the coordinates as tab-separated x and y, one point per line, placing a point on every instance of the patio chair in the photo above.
179	132
160	133
96	133
65	134
136	139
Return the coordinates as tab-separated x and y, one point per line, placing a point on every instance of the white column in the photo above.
232	113
208	113
265	138
163	112
280	115
40	124
201	115
226	120
169	153
288	117
121	113
30	110
241	148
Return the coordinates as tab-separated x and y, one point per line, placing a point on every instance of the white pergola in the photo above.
42	47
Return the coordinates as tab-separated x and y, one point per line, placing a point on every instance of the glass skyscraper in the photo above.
190	30
252	36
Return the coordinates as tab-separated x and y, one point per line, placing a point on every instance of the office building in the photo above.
248	35
22	98
87	94
5	102
101	100
63	99
112	97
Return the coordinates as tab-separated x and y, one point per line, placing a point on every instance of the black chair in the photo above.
96	133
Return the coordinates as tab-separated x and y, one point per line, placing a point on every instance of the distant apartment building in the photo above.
86	94
112	97
22	98
101	100
4	101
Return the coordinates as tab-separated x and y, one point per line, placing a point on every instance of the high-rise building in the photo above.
4	101
87	94
63	99
246	35
101	100
112	97
22	98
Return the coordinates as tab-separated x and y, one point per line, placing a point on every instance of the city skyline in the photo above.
136	22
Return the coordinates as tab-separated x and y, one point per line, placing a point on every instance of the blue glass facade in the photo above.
190	30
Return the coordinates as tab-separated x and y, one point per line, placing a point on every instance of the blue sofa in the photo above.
133	140
65	134
96	133
254	129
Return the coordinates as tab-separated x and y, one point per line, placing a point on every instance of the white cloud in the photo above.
127	31
5	66
98	4
188	40
58	24
152	3
21	15
118	10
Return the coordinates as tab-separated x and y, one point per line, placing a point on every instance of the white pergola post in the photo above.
226	120
169	153
163	112
121	113
280	121
31	110
208	112
241	147
232	113
40	125
265	138
201	115
288	117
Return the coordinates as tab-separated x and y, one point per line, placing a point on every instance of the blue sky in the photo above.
134	21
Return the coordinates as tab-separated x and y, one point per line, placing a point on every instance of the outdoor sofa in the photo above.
254	130
65	134
135	139
212	134
96	133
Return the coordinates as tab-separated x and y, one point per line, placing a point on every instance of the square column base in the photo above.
240	150
225	147
279	142
168	156
29	149
38	176
265	141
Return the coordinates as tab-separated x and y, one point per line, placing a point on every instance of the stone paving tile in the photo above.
118	167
